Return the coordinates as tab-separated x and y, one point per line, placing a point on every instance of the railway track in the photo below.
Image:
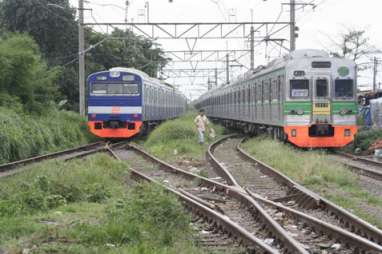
244	211
68	154
270	187
234	204
361	165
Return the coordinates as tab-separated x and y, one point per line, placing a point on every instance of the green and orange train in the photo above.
307	98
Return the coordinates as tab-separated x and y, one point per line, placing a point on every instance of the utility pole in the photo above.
292	25
147	6
375	71
227	69
216	77
126	11
252	48
81	56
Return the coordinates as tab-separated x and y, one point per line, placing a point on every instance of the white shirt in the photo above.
201	122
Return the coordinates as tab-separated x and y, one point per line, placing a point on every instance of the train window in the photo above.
115	89
299	88
322	88
130	89
344	88
99	89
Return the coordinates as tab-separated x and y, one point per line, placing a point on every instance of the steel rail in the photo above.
362	170
221	222
92	148
343	237
348	220
272	227
220	169
334	232
360	232
203	209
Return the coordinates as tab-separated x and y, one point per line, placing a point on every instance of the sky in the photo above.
320	28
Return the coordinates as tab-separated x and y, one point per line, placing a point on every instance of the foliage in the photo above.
131	51
146	219
24	74
22	135
54	184
355	45
53	26
366	137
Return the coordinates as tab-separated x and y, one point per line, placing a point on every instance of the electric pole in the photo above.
216	77
147	6
227	69
292	25
81	56
375	71
252	48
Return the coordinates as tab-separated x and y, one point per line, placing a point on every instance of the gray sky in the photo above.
319	29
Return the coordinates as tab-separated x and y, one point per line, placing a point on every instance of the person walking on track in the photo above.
201	122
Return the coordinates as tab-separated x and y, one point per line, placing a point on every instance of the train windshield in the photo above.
114	89
321	87
299	88
344	88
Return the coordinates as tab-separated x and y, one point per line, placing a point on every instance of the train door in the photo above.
321	107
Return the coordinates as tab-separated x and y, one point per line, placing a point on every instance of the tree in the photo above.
24	75
51	24
355	45
124	48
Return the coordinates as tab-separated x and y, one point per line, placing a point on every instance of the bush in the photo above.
24	74
23	135
54	184
366	137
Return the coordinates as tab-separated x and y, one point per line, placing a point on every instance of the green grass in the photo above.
85	206
23	135
316	171
179	137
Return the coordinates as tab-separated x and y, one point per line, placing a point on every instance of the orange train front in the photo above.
122	101
307	98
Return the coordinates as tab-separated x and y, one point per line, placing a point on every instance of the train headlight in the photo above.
347	132
115	74
300	112
294	133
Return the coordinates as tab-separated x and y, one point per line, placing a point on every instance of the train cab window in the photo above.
322	88
344	88
99	89
130	89
115	89
299	88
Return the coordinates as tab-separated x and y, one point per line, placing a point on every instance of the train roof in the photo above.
288	59
145	77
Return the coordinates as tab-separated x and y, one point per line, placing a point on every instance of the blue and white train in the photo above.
124	101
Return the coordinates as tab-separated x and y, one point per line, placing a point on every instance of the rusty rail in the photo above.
92	148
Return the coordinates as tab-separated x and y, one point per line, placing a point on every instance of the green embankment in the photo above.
23	135
316	171
82	206
179	137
